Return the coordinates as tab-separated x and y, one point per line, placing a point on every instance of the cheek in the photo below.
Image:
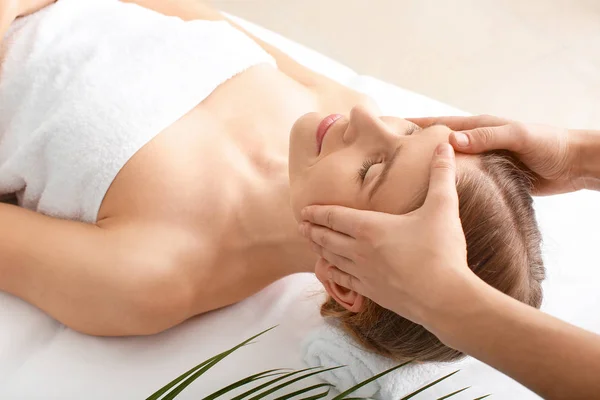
323	184
303	145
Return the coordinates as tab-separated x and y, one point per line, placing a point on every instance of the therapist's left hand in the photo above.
413	264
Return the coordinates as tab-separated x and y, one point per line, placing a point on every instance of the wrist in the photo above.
467	303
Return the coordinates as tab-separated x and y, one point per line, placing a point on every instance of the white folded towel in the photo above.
329	346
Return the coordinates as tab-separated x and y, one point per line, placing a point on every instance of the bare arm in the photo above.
97	280
374	254
553	358
588	146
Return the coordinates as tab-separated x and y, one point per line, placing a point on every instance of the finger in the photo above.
332	241
346	280
442	181
340	219
457	123
334	259
480	140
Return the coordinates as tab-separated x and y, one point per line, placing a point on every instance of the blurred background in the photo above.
533	60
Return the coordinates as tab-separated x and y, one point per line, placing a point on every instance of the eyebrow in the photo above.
436	123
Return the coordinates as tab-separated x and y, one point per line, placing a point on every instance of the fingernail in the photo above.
330	275
304	213
461	139
445	150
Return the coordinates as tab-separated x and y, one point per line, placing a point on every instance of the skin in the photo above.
552	177
332	175
373	254
553	358
158	254
101	263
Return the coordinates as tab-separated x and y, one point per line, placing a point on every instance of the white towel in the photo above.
85	84
329	346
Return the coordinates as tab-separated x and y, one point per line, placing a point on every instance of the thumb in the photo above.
442	181
487	138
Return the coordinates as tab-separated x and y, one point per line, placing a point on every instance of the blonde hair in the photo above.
503	249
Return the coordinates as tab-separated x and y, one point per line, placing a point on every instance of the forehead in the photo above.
408	181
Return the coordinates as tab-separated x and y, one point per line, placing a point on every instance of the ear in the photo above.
345	297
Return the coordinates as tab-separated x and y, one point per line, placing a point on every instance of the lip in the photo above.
324	127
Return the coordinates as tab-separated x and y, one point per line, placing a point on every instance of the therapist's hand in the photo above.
413	264
549	152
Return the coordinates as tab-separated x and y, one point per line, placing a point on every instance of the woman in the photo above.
551	357
165	181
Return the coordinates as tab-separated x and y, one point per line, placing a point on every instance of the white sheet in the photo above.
40	359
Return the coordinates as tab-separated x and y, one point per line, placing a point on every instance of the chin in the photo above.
303	132
295	205
302	150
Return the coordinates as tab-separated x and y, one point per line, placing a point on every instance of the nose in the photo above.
363	123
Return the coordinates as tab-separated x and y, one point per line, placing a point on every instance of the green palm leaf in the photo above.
281	386
197	371
317	396
454	393
175	387
353	389
156	395
416	392
271	382
242	382
301	391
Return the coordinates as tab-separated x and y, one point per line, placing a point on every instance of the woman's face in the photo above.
363	161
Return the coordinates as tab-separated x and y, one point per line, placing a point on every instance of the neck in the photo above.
268	230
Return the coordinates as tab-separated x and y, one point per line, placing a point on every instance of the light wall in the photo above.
534	60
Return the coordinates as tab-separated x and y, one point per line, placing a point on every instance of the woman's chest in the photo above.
198	170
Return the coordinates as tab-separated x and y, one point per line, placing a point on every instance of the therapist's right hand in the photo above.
551	153
413	264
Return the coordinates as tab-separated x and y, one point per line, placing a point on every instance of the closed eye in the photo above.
367	164
412	129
